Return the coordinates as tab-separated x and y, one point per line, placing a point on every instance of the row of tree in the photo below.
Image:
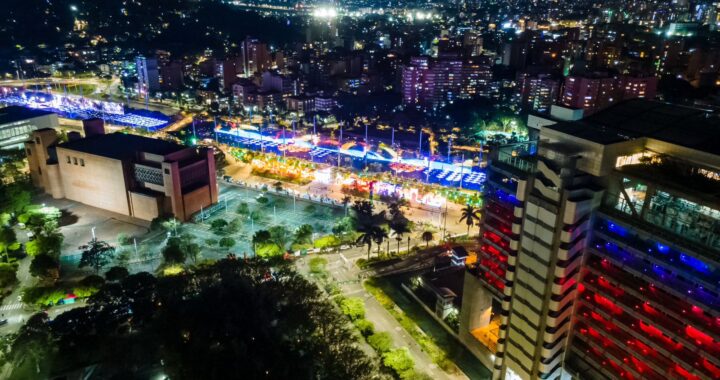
230	319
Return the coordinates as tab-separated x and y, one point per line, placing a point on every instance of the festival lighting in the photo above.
77	107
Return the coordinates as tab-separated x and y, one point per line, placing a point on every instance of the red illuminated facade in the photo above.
610	249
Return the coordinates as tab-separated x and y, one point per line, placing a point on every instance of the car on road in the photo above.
3	322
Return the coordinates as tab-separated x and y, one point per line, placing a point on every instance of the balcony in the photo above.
667	280
644	313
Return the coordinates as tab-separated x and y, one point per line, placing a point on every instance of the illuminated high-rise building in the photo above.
148	75
600	254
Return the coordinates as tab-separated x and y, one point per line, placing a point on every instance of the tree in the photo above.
278	186
368	224
218	226
8	274
260	237
379	235
49	243
353	307
227	242
172	225
96	254
46	267
173	254
303	234
343	226
398	223
179	248
116	274
398	360
427	237
280	236
471	216
243	209
380	342
7	238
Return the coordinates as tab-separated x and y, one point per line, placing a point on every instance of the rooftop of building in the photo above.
11	114
122	146
689	127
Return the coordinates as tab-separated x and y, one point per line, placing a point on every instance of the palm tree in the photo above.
379	235
398	223
427	237
368	224
365	238
471	216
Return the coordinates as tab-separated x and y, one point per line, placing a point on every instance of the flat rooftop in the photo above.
122	146
11	114
690	127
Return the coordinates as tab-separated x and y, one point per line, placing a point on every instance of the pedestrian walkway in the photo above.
12	306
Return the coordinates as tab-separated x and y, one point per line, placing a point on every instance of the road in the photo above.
346	274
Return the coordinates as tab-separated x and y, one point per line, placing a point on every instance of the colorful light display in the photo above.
78	107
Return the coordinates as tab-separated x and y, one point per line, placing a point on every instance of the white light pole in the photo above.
92	231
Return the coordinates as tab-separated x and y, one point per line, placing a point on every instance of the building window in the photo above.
167	171
37	140
74	160
82	162
68	159
29	152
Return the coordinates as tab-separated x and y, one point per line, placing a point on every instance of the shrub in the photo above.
366	327
116	273
353	307
43	295
317	265
399	360
92	281
124	239
45	266
7	274
84	291
328	241
227	242
211	242
380	342
218	226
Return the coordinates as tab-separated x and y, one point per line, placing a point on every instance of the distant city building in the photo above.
244	92
473	43
515	54
593	93
17	123
274	81
433	83
255	56
124	173
171	76
300	103
229	72
599	252
148	75
324	102
538	93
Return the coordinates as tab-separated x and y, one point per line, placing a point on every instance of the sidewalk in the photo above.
345	274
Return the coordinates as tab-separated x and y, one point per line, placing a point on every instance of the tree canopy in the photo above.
232	319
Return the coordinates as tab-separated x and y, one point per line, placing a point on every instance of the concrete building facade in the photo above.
601	249
131	175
